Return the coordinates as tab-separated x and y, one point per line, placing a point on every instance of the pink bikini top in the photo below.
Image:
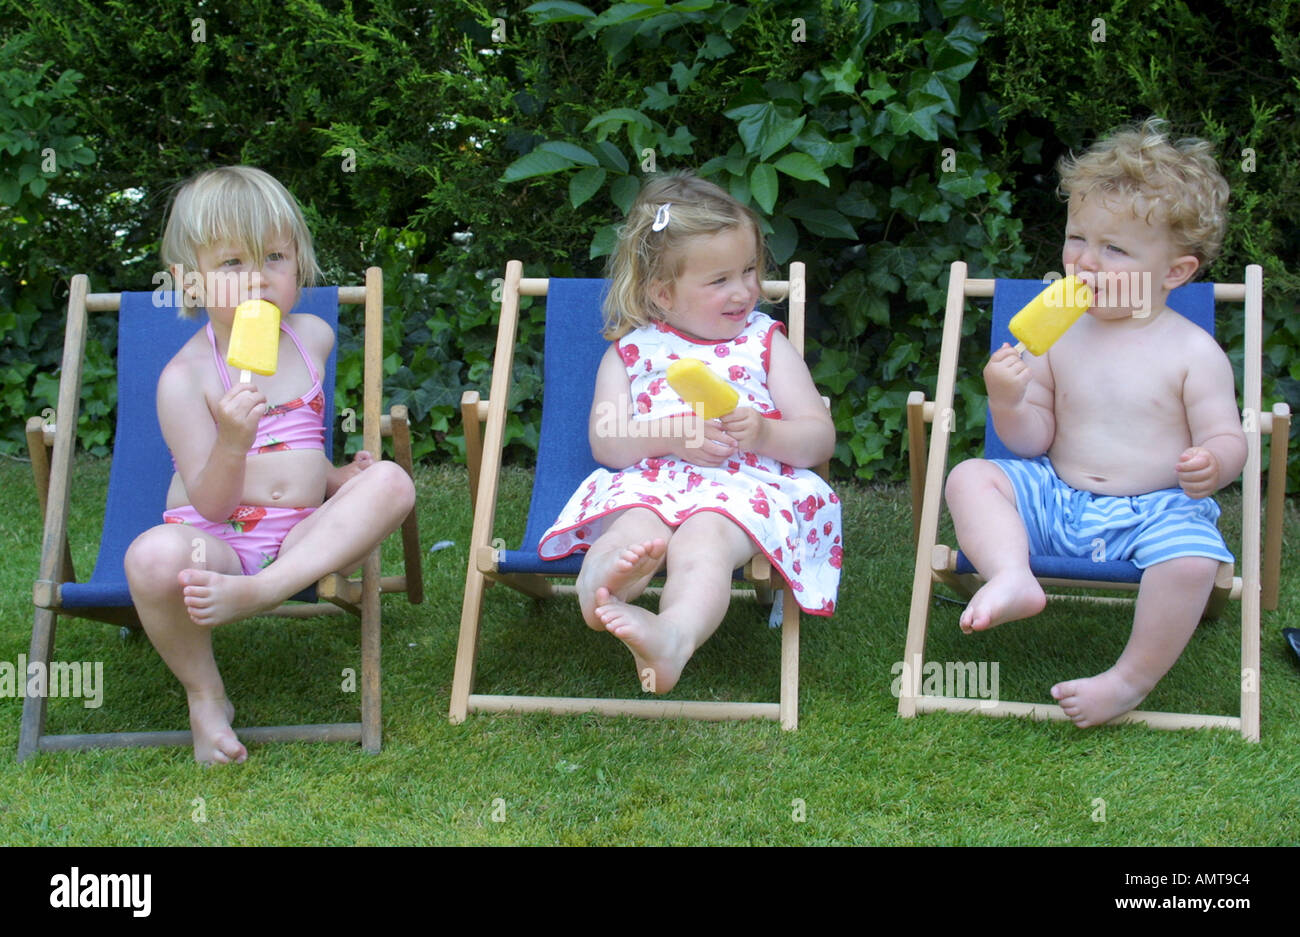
298	424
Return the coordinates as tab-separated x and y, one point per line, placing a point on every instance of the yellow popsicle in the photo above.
254	338
1046	317
709	395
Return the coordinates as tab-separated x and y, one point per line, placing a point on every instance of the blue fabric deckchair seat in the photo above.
149	334
936	562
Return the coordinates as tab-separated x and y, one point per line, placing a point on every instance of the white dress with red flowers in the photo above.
791	513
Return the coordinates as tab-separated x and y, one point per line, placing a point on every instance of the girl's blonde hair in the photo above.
238	204
646	256
1178	182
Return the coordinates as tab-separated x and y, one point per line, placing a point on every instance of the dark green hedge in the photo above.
879	142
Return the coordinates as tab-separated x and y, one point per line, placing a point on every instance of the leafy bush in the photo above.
858	131
878	141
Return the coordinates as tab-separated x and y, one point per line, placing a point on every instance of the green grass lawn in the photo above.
854	773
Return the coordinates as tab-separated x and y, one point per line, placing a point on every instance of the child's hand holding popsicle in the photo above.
1006	377
254	346
714	401
1037	326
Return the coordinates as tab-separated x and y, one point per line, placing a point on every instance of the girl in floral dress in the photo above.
692	496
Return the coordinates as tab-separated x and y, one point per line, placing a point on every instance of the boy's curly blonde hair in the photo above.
645	256
239	204
1177	182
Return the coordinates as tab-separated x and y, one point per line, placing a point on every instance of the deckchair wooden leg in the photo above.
371	648
462	684
400	429
917	456
1275	505
34	707
789	661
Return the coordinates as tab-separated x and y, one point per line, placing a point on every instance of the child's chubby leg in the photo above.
622	561
153	564
1170	601
335	538
992	534
703	553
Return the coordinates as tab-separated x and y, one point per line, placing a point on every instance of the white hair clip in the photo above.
661	217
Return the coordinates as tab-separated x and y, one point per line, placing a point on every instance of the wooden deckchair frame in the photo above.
935	562
484	422
52	447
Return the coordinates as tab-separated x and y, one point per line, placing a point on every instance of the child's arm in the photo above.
611	426
1218	450
210	459
805	434
1021	401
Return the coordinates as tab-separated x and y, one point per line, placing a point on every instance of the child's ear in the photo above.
660	292
1181	271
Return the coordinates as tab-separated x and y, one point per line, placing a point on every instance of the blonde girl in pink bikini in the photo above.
253	493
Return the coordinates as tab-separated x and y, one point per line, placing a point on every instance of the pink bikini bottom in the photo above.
254	532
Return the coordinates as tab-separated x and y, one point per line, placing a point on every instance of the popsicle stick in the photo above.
245	376
1020	348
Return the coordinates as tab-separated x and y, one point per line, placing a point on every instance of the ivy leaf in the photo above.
802	166
584	184
764	128
843	77
813	142
880	87
877	16
918	119
834	370
824	222
763	185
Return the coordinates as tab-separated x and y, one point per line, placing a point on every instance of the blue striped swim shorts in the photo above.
1146	529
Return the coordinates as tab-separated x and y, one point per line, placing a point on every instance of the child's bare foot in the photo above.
634	567
214	599
1006	597
215	742
1094	700
624	575
659	650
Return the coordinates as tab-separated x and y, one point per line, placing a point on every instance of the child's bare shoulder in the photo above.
190	366
1192	345
313	331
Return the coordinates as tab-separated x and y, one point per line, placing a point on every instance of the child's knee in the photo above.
396	485
158	554
969	478
1185	572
